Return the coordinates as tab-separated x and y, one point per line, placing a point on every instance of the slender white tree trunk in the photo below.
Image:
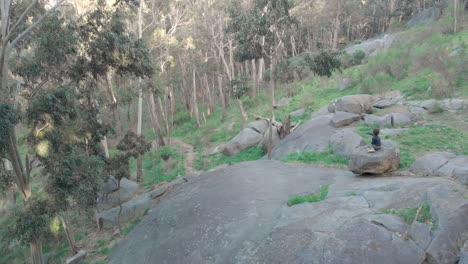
139	175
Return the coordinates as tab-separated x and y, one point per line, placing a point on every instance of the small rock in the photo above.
432	106
245	139
77	258
384	104
373	120
358	104
399	119
282	102
341	119
421	234
298	113
345	84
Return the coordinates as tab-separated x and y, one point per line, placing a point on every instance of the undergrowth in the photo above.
408	214
312	198
206	163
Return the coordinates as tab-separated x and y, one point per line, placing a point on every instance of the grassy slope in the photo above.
419	66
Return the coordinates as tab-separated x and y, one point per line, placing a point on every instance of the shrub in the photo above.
358	56
324	63
166	152
181	117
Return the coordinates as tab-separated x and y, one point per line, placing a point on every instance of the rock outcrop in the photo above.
358	104
345	141
112	196
385	160
341	119
312	136
443	164
239	214
245	139
425	17
266	139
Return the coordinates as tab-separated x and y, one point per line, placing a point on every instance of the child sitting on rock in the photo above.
376	143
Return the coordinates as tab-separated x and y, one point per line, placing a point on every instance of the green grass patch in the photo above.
159	165
408	214
131	226
206	163
419	140
313	198
326	158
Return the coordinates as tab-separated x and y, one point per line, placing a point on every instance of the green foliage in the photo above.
206	163
107	44
167	151
312	198
131	226
324	63
32	222
408	214
357	57
326	158
238	88
9	117
157	169
255	29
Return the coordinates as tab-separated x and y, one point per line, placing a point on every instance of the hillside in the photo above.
208	191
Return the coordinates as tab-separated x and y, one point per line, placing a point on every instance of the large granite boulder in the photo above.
381	121
112	196
298	112
312	136
428	164
400	119
456	168
425	17
385	160
266	139
341	119
260	126
239	214
358	104
373	46
245	139
345	141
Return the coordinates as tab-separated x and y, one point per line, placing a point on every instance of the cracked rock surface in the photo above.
239	214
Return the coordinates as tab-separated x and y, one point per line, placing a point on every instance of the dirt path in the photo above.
188	151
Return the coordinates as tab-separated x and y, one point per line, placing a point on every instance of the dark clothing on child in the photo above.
376	143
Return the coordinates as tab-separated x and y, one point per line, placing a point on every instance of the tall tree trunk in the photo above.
261	68
336	32
221	97
139	175
231	59
110	93
272	103
163	114
455	15
254	79
209	108
156	121
194	97
67	227
244	116
36	252
105	146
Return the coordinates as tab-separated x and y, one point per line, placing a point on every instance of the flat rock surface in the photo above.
239	214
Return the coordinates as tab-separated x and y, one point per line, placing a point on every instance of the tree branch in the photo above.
21	19
35	24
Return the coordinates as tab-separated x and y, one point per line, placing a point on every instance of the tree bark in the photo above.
139	175
67	227
272	103
209	108
156	123
231	60
194	97
337	25
221	97
244	116
36	252
254	79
